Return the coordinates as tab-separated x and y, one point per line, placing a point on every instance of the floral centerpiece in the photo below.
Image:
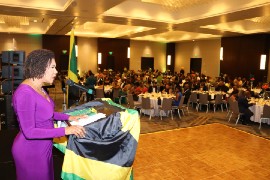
265	86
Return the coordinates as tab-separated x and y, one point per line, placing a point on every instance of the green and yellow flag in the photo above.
72	66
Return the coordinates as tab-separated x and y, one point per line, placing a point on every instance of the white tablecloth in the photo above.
107	88
154	104
257	111
211	93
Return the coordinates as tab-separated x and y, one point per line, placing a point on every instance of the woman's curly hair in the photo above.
36	63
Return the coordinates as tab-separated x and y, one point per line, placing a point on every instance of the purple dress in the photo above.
32	147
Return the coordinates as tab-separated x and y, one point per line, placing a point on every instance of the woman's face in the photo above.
50	72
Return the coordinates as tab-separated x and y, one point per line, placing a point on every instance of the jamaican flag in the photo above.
72	66
108	150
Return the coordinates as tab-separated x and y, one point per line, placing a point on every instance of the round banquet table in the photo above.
257	110
154	102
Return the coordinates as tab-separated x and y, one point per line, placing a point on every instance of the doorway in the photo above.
147	62
196	64
110	62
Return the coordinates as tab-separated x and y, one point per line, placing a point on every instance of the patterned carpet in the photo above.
195	118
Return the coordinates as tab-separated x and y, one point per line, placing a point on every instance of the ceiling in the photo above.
152	20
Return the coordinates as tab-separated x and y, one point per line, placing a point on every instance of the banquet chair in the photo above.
146	105
193	99
235	110
265	114
181	107
217	101
166	106
203	100
115	95
225	102
121	97
230	101
131	103
99	93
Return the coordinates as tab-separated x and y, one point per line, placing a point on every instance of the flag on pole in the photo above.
72	66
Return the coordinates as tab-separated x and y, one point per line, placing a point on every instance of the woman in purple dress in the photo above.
32	147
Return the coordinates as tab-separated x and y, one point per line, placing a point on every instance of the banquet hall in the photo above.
151	50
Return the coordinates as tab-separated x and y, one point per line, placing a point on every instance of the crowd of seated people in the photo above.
131	82
177	83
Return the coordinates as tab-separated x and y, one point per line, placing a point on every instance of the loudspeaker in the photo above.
7	115
13	57
12	72
10	85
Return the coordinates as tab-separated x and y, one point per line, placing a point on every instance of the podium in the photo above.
109	147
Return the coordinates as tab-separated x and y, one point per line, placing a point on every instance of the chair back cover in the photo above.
266	111
100	93
146	104
203	98
130	100
167	104
193	97
181	102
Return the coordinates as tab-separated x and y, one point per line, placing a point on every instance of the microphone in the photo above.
72	83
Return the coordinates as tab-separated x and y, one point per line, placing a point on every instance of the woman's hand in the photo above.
78	131
76	118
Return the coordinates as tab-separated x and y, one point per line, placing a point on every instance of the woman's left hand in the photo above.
76	118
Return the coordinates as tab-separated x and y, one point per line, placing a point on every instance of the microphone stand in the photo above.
64	105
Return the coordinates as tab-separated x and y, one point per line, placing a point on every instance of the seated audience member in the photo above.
166	89
222	87
141	89
203	87
244	106
107	81
115	84
90	83
123	83
186	93
178	96
235	91
132	89
244	83
196	85
127	87
152	88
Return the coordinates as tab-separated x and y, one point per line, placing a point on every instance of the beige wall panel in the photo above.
140	49
19	42
208	50
87	54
